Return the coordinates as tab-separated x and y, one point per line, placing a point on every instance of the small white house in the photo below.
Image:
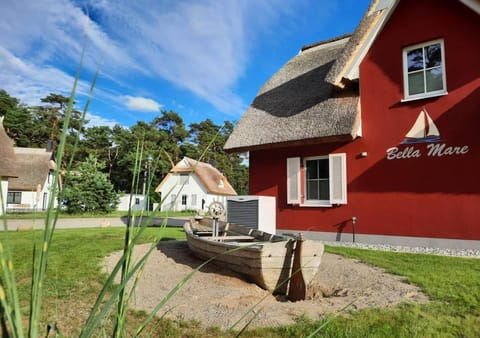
137	202
7	165
26	176
31	189
193	185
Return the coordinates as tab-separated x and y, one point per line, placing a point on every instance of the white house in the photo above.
26	176
31	189
7	165
193	185
135	203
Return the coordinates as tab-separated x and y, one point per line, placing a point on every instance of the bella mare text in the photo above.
433	150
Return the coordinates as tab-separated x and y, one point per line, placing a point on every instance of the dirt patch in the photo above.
219	297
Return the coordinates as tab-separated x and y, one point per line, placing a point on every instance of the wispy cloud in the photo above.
201	47
30	82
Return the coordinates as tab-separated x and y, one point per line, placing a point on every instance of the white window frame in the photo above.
337	181
425	94
14	197
312	202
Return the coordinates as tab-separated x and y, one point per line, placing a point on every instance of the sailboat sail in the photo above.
432	128
423	130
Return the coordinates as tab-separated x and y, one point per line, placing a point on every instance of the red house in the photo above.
376	135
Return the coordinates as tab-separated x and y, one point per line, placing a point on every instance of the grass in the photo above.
74	275
74	278
41	214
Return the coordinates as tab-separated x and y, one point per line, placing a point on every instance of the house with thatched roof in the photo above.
30	190
27	175
8	168
372	136
193	185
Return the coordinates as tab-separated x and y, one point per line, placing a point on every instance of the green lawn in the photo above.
74	278
41	214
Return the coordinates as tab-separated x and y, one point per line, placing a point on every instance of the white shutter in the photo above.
338	178
293	180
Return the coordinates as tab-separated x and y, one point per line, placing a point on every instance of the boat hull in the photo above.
263	258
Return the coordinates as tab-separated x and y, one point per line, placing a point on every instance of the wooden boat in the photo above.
263	258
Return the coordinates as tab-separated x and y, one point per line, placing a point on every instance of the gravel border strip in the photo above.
470	253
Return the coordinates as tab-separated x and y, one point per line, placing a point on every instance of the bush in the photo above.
88	189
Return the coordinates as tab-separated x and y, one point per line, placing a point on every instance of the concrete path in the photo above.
77	223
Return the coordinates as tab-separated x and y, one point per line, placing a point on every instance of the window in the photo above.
184	199
14	197
317	181
424	70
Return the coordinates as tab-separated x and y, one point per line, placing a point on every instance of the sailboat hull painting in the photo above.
424	130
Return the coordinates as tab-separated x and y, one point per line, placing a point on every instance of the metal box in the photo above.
258	212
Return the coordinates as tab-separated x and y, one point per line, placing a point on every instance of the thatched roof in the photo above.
33	166
212	179
297	105
347	63
314	98
7	156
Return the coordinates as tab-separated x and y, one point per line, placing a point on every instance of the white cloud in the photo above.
141	104
97	120
202	47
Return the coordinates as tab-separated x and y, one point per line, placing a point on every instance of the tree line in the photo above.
113	150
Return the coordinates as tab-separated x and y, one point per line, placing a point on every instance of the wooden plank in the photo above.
230	238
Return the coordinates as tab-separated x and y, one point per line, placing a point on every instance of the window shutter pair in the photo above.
337	179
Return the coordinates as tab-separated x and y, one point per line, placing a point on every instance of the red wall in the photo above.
425	196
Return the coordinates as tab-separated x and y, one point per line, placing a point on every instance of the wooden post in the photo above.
298	289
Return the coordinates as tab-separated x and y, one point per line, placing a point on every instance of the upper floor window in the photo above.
424	70
184	178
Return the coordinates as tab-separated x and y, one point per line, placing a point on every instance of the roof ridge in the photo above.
323	42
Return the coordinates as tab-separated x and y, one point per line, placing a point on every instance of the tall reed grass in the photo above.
113	300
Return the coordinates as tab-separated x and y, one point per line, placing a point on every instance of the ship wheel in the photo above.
216	209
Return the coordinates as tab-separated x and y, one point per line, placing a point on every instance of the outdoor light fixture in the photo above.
354	220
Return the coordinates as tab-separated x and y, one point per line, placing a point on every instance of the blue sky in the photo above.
200	58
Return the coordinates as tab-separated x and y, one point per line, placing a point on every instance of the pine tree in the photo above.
88	189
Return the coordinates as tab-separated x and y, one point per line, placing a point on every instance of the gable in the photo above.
373	22
446	23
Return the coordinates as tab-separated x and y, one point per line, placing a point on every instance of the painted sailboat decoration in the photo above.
423	130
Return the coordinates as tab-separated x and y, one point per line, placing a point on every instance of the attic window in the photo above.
424	70
184	178
220	183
